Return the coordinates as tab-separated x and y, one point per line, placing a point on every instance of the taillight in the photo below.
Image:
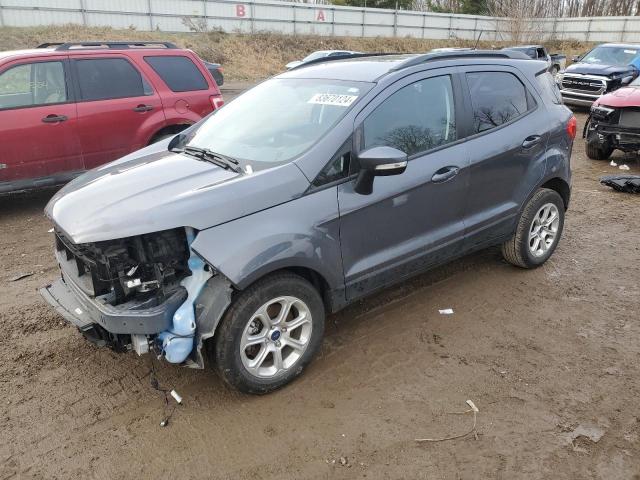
572	127
216	101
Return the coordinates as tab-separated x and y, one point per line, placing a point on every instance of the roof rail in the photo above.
427	57
341	57
111	45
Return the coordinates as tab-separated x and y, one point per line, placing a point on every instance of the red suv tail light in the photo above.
216	101
572	127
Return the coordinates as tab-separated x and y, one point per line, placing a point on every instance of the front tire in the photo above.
270	333
597	150
538	232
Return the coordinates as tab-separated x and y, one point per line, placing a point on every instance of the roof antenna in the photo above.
475	47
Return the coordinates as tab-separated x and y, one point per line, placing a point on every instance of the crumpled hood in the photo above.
597	69
154	189
623	97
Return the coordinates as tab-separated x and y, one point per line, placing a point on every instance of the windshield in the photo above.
277	120
618	56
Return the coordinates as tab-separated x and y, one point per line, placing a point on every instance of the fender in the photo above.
557	167
283	236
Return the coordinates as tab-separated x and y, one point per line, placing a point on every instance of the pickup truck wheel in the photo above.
538	232
270	333
598	151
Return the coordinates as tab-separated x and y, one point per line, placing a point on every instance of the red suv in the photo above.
66	108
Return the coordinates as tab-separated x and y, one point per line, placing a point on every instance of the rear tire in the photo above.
538	232
258	348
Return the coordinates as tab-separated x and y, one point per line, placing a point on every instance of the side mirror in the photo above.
576	58
176	141
378	162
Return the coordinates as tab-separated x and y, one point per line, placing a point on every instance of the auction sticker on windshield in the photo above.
333	99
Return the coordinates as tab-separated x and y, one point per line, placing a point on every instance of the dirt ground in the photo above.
549	356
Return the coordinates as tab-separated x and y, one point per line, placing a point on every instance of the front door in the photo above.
118	109
413	220
38	124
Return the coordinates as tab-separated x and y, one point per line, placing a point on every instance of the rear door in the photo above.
38	123
508	127
413	220
118	109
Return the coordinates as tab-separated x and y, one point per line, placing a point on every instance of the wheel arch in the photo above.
561	187
168	130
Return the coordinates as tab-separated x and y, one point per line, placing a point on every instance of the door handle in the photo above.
445	174
531	140
143	108
53	118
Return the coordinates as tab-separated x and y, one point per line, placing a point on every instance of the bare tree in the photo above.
524	18
535	9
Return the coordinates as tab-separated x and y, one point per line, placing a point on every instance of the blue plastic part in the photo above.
177	342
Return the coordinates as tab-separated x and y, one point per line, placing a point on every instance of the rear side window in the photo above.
496	98
416	118
33	84
105	78
179	73
549	87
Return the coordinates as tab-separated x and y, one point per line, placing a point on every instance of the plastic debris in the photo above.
622	183
175	396
624	167
584	433
446	311
50	230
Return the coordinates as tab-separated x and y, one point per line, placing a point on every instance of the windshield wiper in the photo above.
205	154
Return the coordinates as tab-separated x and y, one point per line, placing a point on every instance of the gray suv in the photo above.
310	191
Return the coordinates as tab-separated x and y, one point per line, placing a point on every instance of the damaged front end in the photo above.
612	128
140	293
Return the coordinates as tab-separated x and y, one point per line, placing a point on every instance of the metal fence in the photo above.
300	18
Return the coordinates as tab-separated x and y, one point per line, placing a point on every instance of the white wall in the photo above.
298	18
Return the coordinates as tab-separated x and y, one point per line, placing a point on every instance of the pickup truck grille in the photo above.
584	84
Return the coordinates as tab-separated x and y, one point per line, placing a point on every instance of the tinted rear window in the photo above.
179	73
103	78
549	87
497	98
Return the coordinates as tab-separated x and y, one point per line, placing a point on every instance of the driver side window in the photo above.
415	119
33	84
